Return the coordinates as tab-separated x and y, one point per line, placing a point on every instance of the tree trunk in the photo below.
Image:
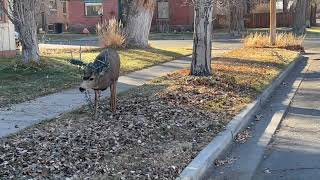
138	22
201	58
285	5
308	13
236	17
23	14
273	22
30	53
299	24
313	14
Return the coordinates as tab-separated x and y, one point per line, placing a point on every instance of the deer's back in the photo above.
111	58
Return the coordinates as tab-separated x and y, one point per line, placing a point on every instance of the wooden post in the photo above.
273	22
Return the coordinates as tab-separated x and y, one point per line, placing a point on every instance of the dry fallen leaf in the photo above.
259	117
243	136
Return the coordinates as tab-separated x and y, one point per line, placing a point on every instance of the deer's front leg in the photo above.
114	97
113	91
96	101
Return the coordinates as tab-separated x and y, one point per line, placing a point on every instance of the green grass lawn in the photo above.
19	83
183	35
64	36
171	36
313	32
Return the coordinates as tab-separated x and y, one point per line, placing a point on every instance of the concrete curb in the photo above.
204	160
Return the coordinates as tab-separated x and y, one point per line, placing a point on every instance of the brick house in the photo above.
176	15
88	13
54	16
75	15
171	15
168	15
7	41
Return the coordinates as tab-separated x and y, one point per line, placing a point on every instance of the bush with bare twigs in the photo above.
111	34
284	40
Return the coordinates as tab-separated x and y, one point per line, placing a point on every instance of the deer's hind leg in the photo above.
113	90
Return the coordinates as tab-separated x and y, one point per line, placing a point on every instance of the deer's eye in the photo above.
91	79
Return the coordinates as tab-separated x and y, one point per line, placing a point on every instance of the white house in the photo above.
7	40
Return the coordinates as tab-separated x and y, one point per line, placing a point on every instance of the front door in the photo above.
163	16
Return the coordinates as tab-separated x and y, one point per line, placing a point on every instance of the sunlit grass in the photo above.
314	30
256	67
263	54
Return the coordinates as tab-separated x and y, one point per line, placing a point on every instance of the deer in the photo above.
101	74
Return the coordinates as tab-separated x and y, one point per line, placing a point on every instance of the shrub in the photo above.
111	34
284	40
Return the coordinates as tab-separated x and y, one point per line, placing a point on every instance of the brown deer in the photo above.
101	74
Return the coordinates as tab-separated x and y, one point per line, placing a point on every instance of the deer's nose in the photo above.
81	89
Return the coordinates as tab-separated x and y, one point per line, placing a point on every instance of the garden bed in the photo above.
158	128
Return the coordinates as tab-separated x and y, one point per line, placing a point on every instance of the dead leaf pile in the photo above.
158	128
146	139
243	136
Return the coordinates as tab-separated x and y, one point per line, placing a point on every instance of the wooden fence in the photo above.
262	20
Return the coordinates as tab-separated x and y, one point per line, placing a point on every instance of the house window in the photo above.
53	4
93	9
64	7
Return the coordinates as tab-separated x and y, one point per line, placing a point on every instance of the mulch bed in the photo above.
158	129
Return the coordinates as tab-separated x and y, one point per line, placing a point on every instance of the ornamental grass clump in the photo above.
111	34
287	41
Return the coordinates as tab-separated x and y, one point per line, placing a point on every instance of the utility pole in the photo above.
273	22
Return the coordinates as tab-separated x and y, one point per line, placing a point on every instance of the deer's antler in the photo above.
77	62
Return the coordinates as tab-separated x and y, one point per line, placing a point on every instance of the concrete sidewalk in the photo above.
28	113
294	153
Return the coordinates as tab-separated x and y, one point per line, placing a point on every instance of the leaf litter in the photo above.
157	130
